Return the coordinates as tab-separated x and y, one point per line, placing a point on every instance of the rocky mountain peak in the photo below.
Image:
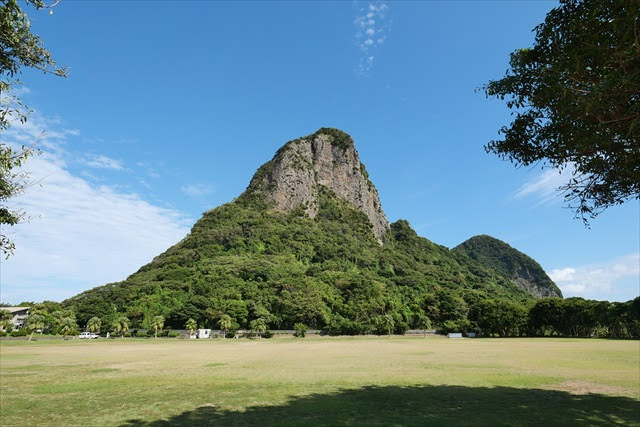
327	158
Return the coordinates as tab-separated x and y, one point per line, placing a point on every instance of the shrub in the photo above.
3	334
301	330
172	334
230	334
19	333
268	334
141	334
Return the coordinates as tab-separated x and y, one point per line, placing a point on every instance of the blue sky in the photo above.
170	107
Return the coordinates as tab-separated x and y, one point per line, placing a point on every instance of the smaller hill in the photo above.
508	262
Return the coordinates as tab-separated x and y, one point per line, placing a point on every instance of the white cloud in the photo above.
79	234
601	281
198	190
371	32
544	188
101	161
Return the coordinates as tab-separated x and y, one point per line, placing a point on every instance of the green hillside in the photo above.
247	261
506	261
263	256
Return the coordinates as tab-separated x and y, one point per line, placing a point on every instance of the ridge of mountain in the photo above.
509	262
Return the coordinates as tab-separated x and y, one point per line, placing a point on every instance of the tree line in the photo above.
547	317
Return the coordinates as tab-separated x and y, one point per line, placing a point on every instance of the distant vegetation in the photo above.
498	256
245	266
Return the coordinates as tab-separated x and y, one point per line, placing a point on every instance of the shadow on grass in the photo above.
439	405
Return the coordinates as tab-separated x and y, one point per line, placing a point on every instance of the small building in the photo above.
203	333
20	315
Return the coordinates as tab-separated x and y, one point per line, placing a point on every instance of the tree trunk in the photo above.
155	330
31	336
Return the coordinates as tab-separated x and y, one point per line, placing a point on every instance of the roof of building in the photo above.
14	309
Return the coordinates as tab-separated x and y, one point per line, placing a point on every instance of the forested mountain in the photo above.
307	242
501	258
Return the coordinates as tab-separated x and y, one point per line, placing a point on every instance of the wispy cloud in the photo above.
101	161
600	281
198	190
371	32
80	234
150	170
544	188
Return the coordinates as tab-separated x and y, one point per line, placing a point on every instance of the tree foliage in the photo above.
67	326
191	325
19	48
94	324
34	322
225	323
300	330
576	99
157	323
121	325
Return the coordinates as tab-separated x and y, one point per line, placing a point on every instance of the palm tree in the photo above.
424	323
191	325
5	318
35	321
121	325
67	326
94	324
259	325
225	323
388	322
157	323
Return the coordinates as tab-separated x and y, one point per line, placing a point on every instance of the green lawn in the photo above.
320	381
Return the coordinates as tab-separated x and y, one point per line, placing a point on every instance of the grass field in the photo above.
320	381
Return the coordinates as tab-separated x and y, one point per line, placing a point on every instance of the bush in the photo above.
141	334
268	334
231	334
19	333
301	330
172	334
3	334
461	325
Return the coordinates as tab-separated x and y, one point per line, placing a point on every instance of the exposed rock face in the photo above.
327	158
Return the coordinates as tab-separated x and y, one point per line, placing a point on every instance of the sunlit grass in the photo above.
107	382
